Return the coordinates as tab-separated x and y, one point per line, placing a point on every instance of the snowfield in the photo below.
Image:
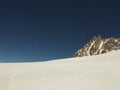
100	72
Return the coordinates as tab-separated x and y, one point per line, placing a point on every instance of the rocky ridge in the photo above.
98	45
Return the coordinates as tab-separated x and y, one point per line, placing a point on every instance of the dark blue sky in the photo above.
41	30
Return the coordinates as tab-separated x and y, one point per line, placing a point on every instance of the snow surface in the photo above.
100	72
89	48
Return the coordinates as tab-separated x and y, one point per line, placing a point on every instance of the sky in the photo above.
42	30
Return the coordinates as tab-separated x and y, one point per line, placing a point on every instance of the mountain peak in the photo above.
98	45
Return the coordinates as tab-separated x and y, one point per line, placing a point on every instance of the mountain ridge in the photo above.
98	45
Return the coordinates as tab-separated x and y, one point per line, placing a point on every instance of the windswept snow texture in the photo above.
100	72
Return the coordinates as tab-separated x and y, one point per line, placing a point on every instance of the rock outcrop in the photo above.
98	45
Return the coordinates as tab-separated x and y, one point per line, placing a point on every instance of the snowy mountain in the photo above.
99	45
98	72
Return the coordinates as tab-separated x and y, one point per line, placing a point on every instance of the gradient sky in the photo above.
42	30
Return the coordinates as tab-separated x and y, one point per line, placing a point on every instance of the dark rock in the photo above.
98	45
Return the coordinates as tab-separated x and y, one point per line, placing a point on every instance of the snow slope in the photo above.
100	72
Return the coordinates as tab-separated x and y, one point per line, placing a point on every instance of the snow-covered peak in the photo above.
98	45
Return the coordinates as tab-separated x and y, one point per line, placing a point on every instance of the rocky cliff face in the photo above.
98	45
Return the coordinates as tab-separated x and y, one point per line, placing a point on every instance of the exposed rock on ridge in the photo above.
98	45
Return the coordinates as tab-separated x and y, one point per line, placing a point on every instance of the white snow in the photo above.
91	45
100	72
100	48
116	40
106	41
